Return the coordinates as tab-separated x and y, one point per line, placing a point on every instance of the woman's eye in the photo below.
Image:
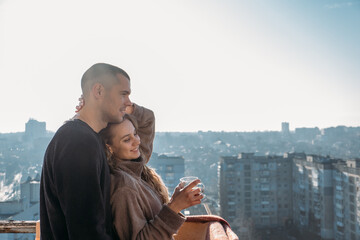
127	140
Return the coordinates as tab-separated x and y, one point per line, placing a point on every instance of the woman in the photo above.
139	199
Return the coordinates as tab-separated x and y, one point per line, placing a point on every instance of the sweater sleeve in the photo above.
146	129
77	180
130	222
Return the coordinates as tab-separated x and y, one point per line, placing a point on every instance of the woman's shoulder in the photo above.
121	179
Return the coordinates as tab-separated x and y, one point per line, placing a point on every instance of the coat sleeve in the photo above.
146	129
130	222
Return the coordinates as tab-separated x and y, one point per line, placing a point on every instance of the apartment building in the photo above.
255	189
313	207
346	182
319	195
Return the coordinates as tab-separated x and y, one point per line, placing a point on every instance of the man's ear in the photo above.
98	90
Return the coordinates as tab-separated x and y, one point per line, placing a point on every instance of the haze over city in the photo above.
199	65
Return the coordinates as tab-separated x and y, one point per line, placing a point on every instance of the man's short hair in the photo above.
96	71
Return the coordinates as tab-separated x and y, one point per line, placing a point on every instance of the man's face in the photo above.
116	99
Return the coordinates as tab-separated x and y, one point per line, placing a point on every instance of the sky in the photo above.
208	65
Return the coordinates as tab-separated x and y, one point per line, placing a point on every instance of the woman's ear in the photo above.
109	148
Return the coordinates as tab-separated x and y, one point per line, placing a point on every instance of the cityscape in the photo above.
288	184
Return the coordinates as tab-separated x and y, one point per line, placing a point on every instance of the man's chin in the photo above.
117	120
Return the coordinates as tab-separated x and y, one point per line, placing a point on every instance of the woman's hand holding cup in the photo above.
186	196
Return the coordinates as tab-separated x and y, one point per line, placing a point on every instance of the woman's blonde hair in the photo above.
148	174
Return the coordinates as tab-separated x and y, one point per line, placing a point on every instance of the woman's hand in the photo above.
185	197
129	109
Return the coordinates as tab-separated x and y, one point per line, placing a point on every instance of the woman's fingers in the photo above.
185	197
178	188
181	185
192	184
197	195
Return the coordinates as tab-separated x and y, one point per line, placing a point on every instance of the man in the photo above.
75	180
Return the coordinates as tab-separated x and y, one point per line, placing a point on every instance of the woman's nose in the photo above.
137	140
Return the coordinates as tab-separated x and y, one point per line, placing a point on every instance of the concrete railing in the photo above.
9	226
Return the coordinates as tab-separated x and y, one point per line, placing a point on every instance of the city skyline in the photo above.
231	66
282	129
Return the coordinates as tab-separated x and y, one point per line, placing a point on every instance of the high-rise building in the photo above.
319	195
313	208
255	189
285	128
35	129
347	200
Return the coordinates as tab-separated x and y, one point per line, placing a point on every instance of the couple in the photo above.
95	183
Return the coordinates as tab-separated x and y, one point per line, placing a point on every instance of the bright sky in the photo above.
198	64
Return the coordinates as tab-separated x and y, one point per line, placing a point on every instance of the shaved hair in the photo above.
95	72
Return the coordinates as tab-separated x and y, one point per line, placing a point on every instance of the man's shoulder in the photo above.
75	139
75	133
74	129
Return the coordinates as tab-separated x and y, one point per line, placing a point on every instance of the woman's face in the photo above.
126	142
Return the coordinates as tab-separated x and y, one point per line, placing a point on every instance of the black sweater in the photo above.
75	186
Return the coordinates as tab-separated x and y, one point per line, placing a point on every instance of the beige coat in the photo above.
138	212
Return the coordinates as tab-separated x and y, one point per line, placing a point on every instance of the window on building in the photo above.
352	208
352	227
169	176
353	236
232	214
169	168
351	179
